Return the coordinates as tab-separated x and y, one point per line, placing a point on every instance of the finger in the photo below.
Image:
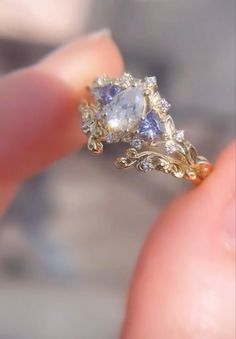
183	286
39	122
78	63
7	193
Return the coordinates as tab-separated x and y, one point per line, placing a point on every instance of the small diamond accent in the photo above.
102	80
163	105
112	138
151	81
147	165
127	79
179	135
136	143
109	138
126	76
86	126
170	146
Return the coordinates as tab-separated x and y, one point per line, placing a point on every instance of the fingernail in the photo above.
100	33
229	224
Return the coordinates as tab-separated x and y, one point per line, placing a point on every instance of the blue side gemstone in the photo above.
151	126
105	94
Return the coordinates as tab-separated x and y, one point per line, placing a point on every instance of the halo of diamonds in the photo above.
132	111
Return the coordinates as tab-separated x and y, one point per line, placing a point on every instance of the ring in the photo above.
132	111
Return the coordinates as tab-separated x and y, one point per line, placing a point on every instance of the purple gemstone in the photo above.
151	126
115	89
106	93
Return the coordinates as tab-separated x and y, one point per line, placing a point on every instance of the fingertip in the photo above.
219	187
228	154
80	61
7	193
39	105
184	277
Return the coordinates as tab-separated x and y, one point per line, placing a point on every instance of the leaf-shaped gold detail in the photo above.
191	154
169	126
95	145
158	161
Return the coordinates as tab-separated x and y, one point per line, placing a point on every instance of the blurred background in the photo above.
64	270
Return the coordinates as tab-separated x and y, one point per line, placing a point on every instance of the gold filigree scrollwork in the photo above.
199	167
149	160
95	145
193	167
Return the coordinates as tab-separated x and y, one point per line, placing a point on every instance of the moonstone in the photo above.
125	110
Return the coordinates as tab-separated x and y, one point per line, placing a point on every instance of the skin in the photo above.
183	285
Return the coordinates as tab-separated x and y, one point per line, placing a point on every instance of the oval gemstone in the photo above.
125	110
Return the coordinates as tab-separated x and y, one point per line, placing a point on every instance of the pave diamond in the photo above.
151	126
170	146
163	105
147	165
127	79
102	80
86	124
151	81
179	135
136	143
125	110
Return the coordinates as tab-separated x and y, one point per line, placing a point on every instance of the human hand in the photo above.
183	286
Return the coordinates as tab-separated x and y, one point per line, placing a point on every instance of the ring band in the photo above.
132	111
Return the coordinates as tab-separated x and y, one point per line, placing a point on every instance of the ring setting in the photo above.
132	111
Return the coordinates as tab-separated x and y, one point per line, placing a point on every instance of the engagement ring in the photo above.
132	111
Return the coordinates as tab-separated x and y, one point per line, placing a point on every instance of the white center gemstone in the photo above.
125	110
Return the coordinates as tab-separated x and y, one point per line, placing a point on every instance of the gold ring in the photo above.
132	111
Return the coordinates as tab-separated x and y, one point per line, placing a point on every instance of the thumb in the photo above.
39	122
183	286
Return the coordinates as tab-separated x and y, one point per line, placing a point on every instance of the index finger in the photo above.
38	105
